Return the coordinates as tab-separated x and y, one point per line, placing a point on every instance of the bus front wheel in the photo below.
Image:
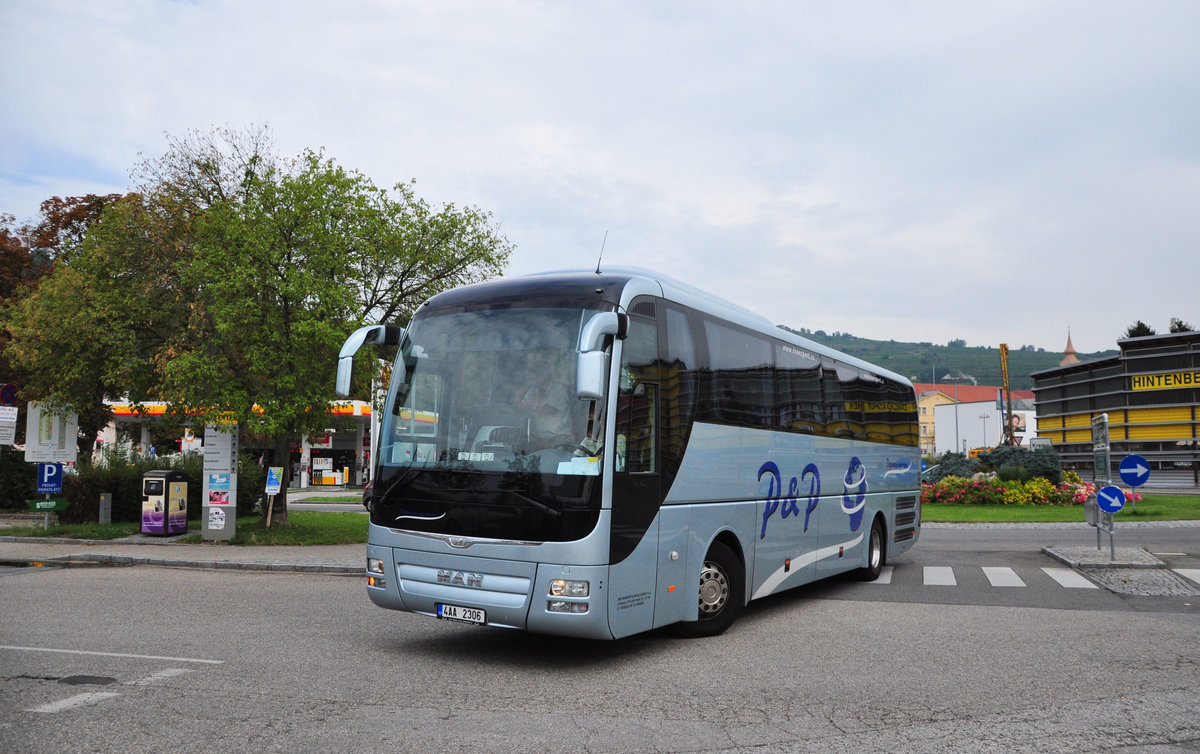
721	593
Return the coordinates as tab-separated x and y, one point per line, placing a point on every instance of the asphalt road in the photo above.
143	658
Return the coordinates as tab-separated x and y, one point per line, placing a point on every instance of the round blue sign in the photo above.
1111	498
1134	471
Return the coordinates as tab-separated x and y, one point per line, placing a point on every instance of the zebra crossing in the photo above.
1004	577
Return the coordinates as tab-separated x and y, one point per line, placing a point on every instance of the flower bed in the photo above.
988	490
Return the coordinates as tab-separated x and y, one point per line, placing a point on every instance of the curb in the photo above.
1089	557
77	561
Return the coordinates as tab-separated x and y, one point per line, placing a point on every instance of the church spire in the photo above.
1069	356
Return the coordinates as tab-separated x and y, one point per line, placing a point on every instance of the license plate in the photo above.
461	614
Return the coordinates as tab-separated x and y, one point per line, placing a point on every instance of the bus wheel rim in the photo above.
714	590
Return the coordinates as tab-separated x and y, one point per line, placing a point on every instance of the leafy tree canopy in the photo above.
1139	329
226	284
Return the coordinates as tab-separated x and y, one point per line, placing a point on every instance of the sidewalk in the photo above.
139	549
350	560
342	560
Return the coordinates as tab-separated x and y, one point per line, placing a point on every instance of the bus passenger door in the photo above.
636	492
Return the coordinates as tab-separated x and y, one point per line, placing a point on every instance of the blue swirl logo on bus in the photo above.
788	505
854	492
898	467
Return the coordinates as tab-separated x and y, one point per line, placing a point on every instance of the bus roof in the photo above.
608	286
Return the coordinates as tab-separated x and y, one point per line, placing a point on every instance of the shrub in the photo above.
1043	462
953	465
1046	463
1013	474
18	479
118	475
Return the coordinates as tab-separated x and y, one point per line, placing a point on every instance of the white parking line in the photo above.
940	576
999	576
1069	578
885	575
80	700
161	675
112	654
1189	573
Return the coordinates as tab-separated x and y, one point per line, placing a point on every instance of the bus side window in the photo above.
637	400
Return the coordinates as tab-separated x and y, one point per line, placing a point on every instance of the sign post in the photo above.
274	485
1135	472
49	436
1101	455
1099	511
218	519
8	424
49	483
1110	499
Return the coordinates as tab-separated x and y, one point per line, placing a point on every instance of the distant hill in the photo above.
925	362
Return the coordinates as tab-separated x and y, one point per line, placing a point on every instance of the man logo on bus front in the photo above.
854	492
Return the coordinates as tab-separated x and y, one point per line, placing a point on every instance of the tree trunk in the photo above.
281	456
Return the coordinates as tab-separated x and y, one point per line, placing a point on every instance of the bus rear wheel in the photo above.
875	554
721	593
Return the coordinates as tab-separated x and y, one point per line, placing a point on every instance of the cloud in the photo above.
913	171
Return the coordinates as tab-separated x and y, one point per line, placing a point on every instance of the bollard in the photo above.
105	508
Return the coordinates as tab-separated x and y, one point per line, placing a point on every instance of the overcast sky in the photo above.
917	171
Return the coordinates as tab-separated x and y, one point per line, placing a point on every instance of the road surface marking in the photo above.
112	654
1069	579
160	676
1189	573
885	576
939	576
80	700
999	576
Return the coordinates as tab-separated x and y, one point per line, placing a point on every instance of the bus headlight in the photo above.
565	588
375	566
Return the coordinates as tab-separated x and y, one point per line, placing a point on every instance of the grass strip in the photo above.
1149	508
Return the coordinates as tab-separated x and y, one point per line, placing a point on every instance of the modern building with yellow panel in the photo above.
1151	393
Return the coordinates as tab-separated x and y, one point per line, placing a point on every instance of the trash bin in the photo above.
164	502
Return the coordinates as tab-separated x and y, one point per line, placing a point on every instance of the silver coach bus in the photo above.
600	454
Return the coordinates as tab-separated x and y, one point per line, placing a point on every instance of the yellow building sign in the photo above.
878	407
1165	380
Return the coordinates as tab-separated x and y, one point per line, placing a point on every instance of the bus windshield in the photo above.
486	424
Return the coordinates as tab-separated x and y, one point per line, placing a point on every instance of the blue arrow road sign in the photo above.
49	478
1111	499
1135	471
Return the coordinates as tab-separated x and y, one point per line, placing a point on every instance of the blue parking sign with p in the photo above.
49	478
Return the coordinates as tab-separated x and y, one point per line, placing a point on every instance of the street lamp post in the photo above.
955	379
985	418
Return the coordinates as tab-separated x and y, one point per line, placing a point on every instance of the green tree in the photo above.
227	284
93	325
1178	325
1139	329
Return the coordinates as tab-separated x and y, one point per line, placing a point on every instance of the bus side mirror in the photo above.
380	335
592	367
